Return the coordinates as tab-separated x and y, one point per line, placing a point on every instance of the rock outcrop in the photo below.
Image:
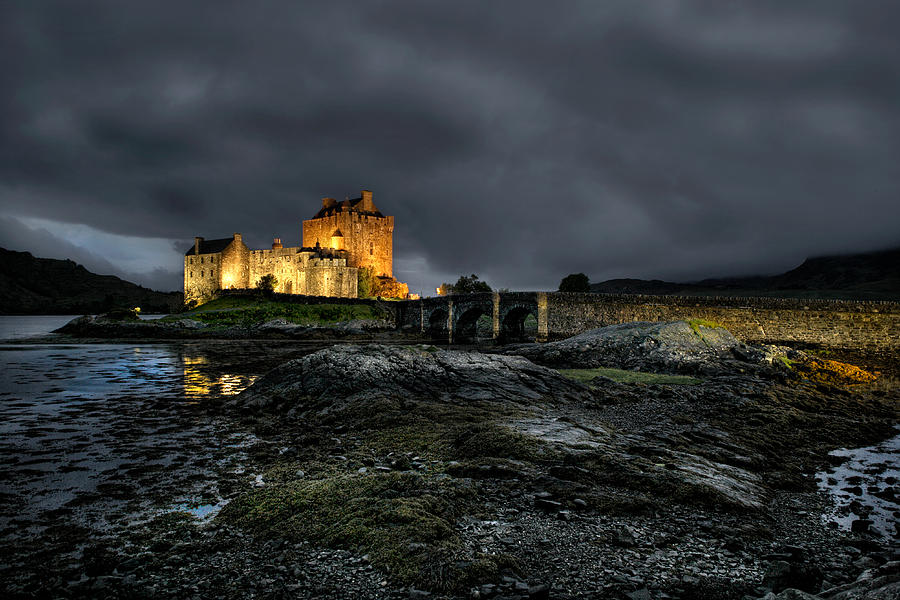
677	346
346	373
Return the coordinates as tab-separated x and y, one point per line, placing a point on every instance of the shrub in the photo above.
266	284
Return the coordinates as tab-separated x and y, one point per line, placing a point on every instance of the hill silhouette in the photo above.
865	276
30	285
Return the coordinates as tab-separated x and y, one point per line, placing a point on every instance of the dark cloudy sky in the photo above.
518	140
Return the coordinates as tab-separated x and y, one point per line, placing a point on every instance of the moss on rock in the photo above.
403	521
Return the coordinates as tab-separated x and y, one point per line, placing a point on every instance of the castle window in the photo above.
201	260
201	273
371	248
192	274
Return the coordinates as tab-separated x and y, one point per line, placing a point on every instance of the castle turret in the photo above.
276	244
367	205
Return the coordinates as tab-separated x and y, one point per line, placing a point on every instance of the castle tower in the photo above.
357	226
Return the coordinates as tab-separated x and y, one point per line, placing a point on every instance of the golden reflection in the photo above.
198	381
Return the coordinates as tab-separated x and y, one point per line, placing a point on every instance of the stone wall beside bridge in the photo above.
856	325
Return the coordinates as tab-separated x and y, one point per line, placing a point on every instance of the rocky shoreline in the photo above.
106	328
416	472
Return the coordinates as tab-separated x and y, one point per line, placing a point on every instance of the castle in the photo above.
340	239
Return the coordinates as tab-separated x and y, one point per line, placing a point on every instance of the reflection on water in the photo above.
200	381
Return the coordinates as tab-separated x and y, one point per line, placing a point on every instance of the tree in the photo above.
267	283
576	282
365	282
464	285
388	287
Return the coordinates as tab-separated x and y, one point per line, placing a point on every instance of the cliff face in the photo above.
868	276
30	285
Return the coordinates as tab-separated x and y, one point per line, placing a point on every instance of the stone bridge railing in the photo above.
859	325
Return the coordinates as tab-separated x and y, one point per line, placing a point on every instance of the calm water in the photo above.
16	327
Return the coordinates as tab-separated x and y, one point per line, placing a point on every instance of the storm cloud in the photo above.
518	140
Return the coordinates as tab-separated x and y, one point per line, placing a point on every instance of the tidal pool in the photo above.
866	487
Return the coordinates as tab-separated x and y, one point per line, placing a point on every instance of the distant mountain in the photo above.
30	285
868	276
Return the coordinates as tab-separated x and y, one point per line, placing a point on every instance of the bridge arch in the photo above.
466	316
436	325
515	324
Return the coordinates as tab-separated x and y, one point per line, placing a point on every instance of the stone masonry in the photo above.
341	238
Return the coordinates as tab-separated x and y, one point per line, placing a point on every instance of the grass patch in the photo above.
784	360
448	432
696	324
623	376
404	521
241	311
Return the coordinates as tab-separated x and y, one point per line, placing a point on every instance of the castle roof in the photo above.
348	205
211	246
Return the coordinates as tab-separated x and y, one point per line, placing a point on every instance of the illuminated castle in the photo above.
339	240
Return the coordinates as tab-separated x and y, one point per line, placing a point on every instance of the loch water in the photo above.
97	437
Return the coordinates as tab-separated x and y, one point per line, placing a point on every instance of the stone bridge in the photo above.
453	318
856	325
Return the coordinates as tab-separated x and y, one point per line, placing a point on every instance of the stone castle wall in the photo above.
296	272
235	265
299	272
202	275
280	262
829	323
367	238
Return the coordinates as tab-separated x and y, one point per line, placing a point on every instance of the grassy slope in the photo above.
232	311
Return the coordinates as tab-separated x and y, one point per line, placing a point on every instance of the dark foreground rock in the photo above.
383	472
879	583
333	377
475	475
